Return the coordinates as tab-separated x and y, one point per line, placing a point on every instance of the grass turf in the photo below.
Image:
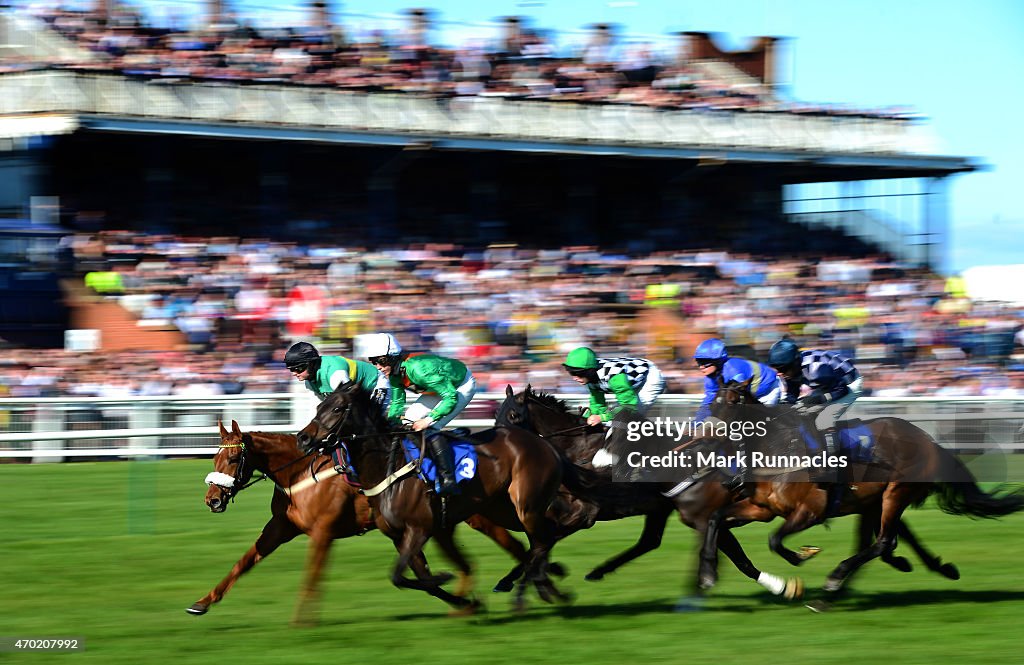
114	552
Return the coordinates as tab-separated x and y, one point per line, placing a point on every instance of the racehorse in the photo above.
308	499
552	419
906	466
517	477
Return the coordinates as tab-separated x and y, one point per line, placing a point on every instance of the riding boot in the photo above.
736	481
828	438
444	462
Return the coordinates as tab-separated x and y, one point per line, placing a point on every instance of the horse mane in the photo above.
361	397
552	402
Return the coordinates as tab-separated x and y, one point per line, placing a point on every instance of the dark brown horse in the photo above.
518	475
906	467
308	499
568	431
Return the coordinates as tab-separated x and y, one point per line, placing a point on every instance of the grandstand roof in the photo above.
799	166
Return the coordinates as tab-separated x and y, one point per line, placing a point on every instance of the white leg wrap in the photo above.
773	583
603	458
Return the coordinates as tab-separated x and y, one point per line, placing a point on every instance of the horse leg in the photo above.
933	563
800	519
409	547
790	588
650	539
707	571
894	501
278	530
446	541
540	530
508	543
306	609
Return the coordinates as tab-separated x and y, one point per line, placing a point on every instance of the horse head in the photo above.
233	467
514	410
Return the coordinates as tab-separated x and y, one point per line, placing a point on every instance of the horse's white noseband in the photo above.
220	479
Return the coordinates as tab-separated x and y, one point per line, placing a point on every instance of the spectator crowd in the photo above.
511	314
519	63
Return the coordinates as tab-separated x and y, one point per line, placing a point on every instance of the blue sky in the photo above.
958	63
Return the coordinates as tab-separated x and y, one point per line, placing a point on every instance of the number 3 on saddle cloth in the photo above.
465	460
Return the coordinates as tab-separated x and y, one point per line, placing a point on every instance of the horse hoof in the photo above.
794	589
808	552
438	580
833	584
473	607
901	564
594	576
818	606
949	571
199	609
557	569
706	582
504	586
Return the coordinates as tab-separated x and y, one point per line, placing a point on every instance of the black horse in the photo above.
607	500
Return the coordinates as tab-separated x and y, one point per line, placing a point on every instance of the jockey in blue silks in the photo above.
713	362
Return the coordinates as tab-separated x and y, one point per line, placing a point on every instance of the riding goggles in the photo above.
298	369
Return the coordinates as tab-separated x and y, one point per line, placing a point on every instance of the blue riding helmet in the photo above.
711	351
783	353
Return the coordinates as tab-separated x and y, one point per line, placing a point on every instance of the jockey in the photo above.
635	382
323	374
445	385
713	362
833	379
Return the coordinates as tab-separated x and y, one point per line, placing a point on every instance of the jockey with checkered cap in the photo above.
635	382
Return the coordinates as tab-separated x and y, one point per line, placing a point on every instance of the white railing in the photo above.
54	429
559	122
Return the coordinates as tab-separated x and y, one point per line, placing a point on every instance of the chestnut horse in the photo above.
308	499
517	477
906	467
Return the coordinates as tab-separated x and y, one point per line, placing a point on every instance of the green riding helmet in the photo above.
581	358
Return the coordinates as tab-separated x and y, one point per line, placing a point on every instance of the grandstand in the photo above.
302	150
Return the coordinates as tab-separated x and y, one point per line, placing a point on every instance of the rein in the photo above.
263	476
394	435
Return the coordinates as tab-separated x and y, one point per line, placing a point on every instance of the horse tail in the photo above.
965	497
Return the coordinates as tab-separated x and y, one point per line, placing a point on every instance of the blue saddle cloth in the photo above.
855	441
465	460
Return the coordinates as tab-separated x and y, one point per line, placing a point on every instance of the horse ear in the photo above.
528	388
508	390
223	432
235	429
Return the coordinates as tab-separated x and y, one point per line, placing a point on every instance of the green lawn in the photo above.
114	552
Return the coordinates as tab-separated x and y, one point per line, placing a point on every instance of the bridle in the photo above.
232	485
